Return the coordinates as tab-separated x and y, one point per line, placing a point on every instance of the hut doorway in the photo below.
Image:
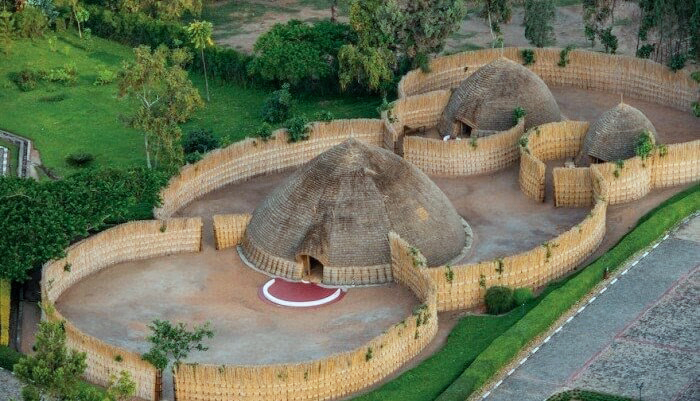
313	269
465	130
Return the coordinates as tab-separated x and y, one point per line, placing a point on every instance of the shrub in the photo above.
201	141
564	55
696	76
105	76
26	80
521	296
518	113
8	358
264	131
67	75
696	109
324	115
297	128
81	159
278	105
645	51
194	157
528	56
645	145
608	40
677	61
499	299
31	22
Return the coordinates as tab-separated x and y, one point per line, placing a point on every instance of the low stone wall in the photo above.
245	159
464	157
332	377
464	286
633	77
126	242
229	229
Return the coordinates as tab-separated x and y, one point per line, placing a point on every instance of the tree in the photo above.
170	341
496	12
672	27
121	388
391	30
539	15
41	219
80	14
166	10
166	96
52	372
200	37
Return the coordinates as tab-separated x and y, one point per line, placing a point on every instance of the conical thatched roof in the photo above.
614	135
486	99
339	208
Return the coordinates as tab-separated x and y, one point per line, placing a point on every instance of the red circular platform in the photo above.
296	294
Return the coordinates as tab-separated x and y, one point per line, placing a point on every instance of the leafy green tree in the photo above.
121	388
672	27
79	13
41	219
31	22
166	97
166	10
278	105
609	40
174	342
539	15
52	372
200	37
496	12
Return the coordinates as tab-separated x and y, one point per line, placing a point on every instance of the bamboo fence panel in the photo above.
557	140
624	184
573	187
357	275
327	378
680	165
531	176
464	157
245	159
229	229
532	268
422	110
633	77
130	241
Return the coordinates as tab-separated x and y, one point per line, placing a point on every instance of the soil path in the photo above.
642	329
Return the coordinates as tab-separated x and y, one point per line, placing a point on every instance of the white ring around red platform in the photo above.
333	296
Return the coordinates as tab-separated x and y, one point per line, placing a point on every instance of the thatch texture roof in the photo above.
614	135
486	99
339	208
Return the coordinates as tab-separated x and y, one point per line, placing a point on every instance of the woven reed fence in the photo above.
633	77
551	141
465	157
573	187
245	159
229	229
680	165
331	377
625	183
418	111
126	242
532	268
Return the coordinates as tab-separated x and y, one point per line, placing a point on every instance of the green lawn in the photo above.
66	119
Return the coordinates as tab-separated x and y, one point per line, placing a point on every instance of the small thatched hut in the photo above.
329	222
485	101
614	135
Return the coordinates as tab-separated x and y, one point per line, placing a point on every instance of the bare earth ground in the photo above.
117	303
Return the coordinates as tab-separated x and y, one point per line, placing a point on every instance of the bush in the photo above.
677	61
104	76
297	128
201	141
82	159
194	157
499	299
521	296
696	76
564	55
67	75
277	106
644	145
696	109
26	80
8	358
264	131
518	113
608	40
324	115
528	56
31	22
645	51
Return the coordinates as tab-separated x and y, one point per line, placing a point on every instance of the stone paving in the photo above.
645	328
9	386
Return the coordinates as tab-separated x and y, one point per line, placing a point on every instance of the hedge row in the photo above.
583	395
506	347
8	358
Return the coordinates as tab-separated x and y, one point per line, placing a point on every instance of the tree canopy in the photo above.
174	341
539	15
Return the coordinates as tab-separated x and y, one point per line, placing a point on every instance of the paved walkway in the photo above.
644	328
9	386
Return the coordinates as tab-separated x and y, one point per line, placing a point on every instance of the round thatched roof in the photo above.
340	206
486	99
614	135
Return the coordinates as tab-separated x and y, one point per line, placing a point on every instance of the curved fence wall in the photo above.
243	160
463	286
126	242
331	377
464	157
633	77
420	111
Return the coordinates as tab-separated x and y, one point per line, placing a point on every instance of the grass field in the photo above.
86	118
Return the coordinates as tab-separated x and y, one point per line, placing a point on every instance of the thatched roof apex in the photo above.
339	208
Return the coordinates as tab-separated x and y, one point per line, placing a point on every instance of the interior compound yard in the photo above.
327	266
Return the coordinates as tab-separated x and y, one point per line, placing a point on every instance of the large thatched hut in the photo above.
485	101
329	222
614	135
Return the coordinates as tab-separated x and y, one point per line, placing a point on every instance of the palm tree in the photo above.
200	37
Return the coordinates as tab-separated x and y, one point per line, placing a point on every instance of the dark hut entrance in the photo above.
465	130
313	269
